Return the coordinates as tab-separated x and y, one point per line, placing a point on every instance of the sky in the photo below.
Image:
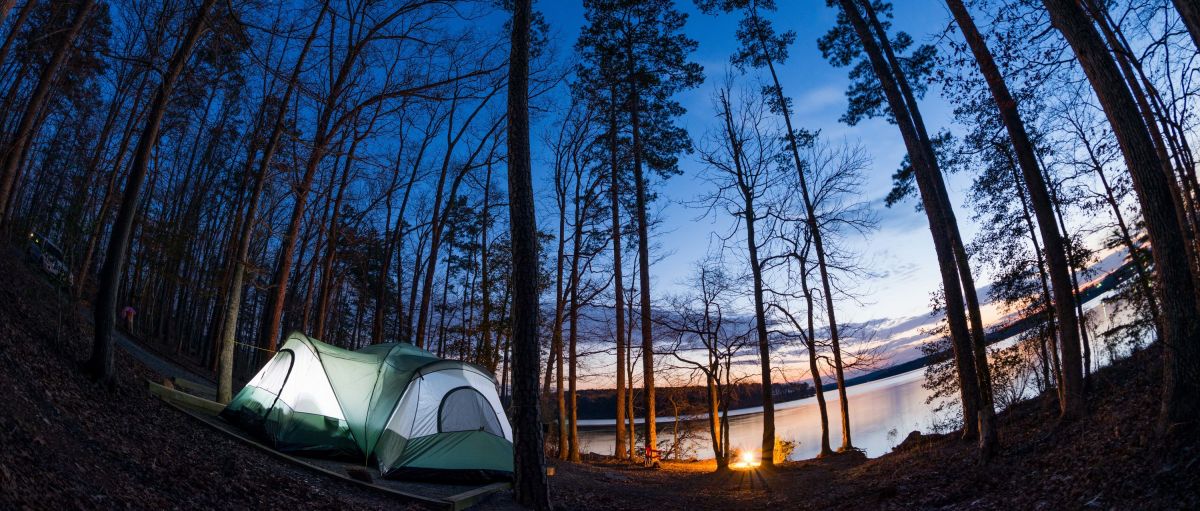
900	252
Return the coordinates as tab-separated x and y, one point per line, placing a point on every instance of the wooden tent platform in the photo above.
452	497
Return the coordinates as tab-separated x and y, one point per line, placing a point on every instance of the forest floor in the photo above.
1108	460
66	443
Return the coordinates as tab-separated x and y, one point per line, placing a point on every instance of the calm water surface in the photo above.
876	408
882	413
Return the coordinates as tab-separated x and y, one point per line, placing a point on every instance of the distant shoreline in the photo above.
1087	294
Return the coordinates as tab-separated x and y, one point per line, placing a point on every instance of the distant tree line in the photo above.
599	404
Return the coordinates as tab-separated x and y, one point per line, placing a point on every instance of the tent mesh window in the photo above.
465	409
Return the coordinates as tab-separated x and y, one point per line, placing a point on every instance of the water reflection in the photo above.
882	412
876	408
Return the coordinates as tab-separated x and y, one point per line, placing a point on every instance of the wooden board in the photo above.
206	412
191	387
470	498
185	400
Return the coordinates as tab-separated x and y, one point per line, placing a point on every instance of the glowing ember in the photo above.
748	460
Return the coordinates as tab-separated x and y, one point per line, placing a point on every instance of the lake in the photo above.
876	408
882	412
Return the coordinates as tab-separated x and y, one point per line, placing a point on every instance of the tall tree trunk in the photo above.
326	289
1074	265
651	432
1126	62
573	317
928	183
767	447
1189	10
15	29
101	363
399	245
978	344
985	414
79	205
714	417
5	8
555	362
1071	398
560	397
325	128
418	265
629	364
819	247
85	266
25	130
487	352
614	191
283	266
440	214
379	316
572	376
811	344
1175	283
529	484
243	238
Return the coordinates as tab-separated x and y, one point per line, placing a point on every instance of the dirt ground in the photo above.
68	444
1108	460
1111	459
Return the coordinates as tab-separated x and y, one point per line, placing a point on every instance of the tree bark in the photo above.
1189	11
811	343
714	417
1143	273
26	129
1051	359
529	484
1071	399
651	430
1175	284
819	247
486	355
618	282
439	214
326	288
85	266
573	336
283	266
555	362
1130	67
767	446
978	347
928	183
242	239
6	7
15	29
101	363
629	365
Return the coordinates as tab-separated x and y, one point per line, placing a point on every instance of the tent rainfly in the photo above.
395	405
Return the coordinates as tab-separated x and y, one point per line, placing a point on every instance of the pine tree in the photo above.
893	93
646	39
1071	384
529	486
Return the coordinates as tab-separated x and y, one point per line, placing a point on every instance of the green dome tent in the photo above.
396	405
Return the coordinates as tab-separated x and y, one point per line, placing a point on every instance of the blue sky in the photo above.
901	250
